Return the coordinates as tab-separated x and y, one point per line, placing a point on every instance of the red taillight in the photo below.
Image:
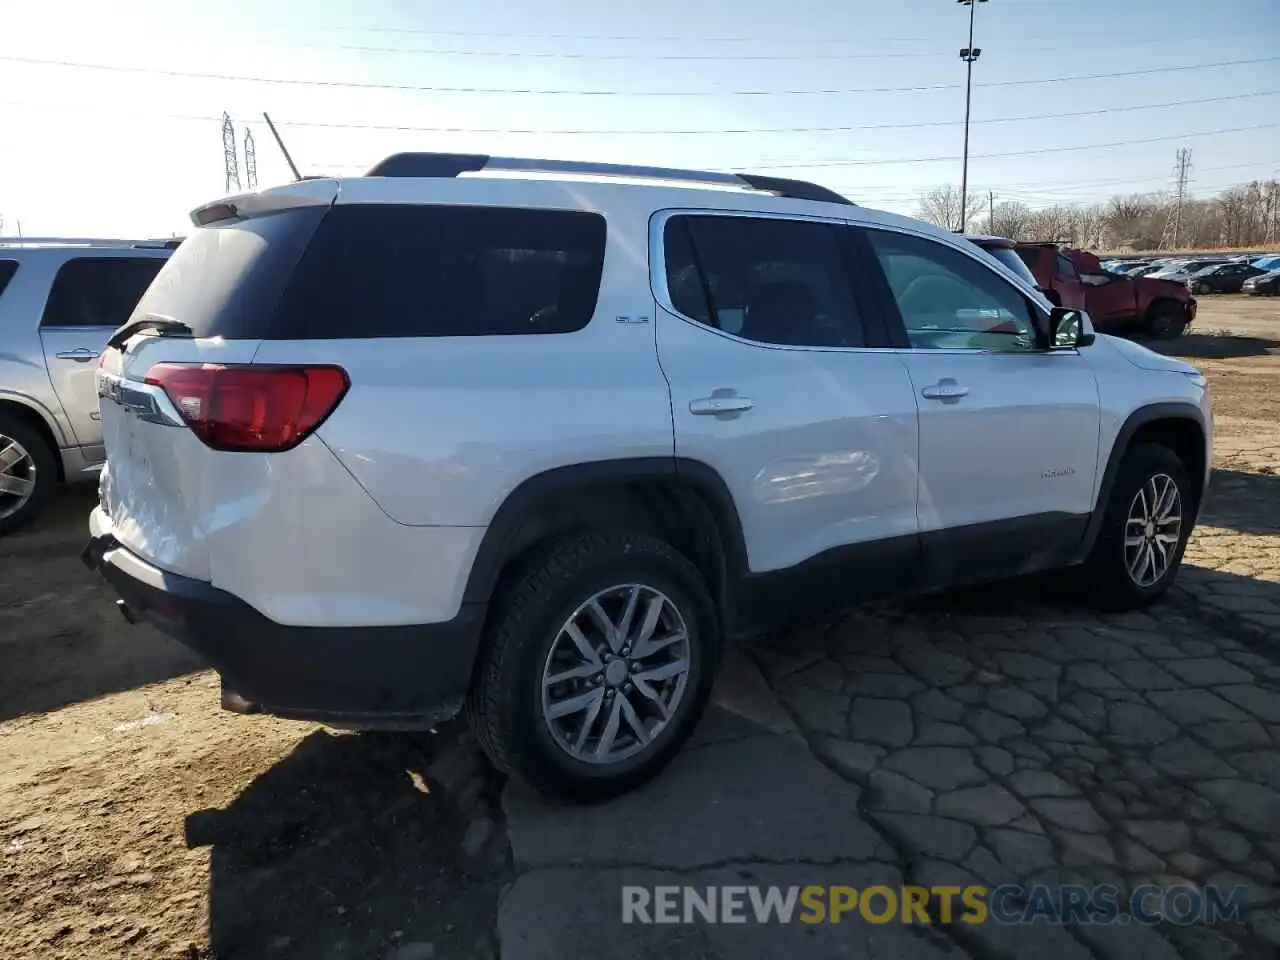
251	408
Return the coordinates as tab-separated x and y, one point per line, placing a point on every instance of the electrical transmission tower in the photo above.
250	161
1181	173
229	159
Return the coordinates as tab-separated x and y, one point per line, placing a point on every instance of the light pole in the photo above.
968	55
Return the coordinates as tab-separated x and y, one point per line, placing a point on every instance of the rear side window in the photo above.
7	269
1067	269
770	280
380	270
98	291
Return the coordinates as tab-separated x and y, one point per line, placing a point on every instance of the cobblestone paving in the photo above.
1002	738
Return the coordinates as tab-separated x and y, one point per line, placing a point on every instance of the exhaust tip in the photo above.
125	612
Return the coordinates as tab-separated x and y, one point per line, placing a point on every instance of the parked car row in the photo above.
1266	285
1204	273
1116	303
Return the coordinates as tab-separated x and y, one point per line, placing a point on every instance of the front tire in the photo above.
1166	321
598	666
1144	530
28	473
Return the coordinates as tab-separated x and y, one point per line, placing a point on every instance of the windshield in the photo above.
1205	271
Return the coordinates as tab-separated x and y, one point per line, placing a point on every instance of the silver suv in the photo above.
59	301
534	437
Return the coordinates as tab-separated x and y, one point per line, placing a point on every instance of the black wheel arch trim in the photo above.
1124	436
522	503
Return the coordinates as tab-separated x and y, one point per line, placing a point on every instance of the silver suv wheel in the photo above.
1152	530
17	476
616	674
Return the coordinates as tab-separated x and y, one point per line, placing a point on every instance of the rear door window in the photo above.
1067	269
381	270
765	279
7	269
98	291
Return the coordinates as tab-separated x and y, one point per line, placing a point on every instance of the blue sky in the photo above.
126	152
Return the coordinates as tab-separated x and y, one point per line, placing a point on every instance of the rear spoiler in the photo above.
310	192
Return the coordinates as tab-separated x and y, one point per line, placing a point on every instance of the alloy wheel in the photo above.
1152	530
17	476
616	674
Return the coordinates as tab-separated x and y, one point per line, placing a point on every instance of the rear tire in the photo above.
28	473
532	726
1166	321
1132	564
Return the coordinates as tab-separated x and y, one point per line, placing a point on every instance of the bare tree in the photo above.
1010	218
1051	223
1136	220
1089	226
1246	215
1233	208
941	206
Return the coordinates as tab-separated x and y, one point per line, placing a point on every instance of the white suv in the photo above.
537	437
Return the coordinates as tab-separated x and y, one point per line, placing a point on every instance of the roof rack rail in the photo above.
170	243
445	165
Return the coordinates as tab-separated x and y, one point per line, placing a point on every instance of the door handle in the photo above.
944	390
719	405
79	355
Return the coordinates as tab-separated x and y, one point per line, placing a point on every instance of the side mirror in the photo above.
1066	329
1094	279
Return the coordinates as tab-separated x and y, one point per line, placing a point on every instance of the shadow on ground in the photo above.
61	639
345	849
1214	346
1243	502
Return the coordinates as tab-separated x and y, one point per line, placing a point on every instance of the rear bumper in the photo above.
365	677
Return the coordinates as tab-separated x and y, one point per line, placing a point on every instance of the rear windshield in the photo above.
7	269
382	270
1013	260
225	280
1029	257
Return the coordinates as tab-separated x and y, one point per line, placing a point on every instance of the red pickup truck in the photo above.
1073	278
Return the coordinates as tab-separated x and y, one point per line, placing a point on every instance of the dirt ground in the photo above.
138	819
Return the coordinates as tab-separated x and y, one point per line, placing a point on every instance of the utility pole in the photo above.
250	161
1173	223
991	211
968	55
230	162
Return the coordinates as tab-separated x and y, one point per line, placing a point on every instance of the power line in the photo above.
577	55
354	85
649	37
1031	185
1014	153
404	128
551	131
